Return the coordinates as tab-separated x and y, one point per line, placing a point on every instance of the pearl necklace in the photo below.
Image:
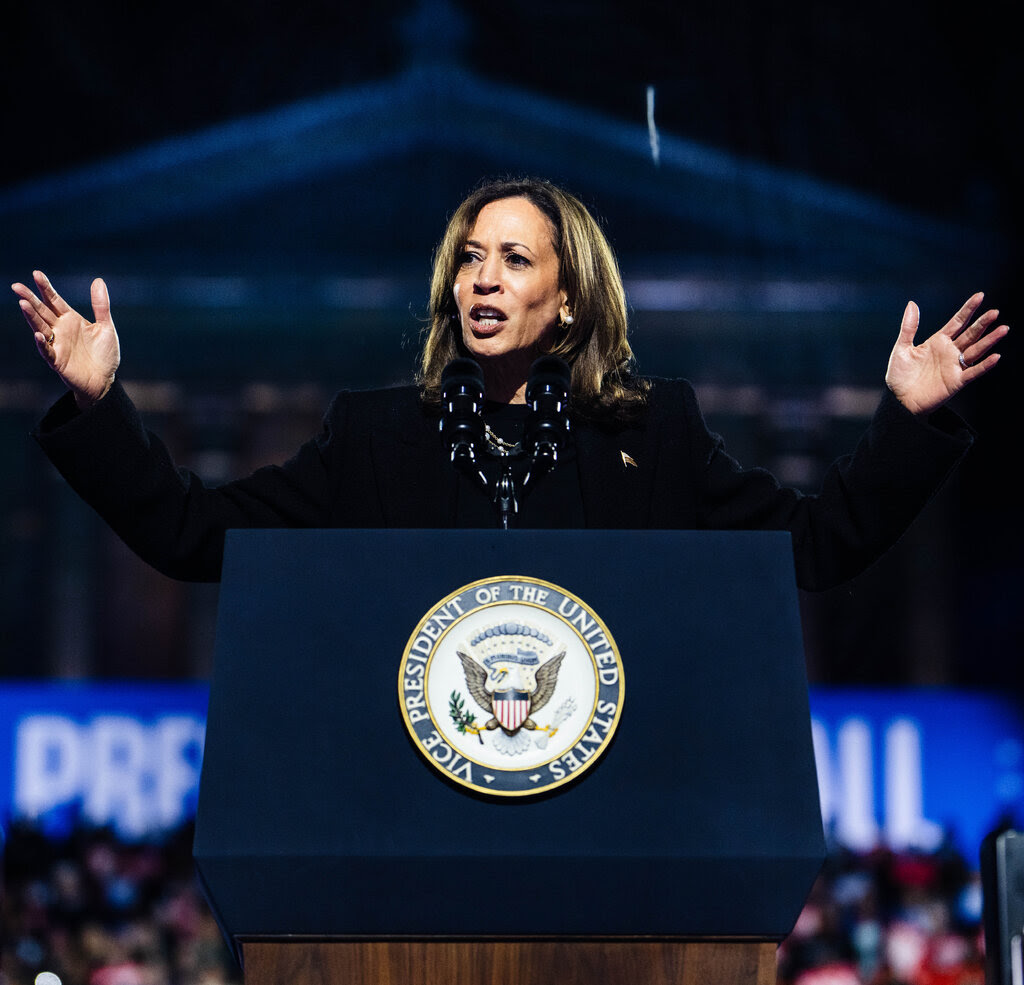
500	445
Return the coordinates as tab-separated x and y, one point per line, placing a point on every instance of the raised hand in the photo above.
84	354
923	377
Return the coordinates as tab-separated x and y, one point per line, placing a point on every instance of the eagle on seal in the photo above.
511	708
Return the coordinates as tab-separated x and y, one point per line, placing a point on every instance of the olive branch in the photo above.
461	718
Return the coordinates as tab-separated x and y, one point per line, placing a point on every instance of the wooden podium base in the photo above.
531	962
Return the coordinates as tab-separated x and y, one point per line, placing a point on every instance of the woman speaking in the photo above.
523	271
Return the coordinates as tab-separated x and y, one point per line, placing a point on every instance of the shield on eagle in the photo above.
511	708
511	674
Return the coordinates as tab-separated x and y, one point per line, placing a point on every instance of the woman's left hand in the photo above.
923	377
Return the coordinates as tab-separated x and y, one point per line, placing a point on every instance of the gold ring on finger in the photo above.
53	335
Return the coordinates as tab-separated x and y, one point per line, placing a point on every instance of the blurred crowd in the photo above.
888	918
93	910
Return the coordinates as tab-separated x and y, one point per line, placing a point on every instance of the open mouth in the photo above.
485	316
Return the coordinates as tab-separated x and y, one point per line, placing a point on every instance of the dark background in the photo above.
262	186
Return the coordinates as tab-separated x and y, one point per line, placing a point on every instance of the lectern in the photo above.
404	782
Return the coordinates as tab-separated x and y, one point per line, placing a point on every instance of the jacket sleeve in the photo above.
866	501
165	514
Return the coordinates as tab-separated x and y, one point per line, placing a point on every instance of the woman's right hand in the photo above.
84	354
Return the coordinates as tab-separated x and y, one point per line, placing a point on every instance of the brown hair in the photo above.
594	345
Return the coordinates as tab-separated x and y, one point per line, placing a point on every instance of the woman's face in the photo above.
507	288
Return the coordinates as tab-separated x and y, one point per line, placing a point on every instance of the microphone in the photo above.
462	399
547	424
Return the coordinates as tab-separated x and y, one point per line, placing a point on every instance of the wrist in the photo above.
84	400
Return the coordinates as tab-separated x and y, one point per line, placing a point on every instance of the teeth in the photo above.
488	320
488	315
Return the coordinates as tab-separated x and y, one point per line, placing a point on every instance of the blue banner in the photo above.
902	768
125	755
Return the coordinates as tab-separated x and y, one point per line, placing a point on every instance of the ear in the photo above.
564	312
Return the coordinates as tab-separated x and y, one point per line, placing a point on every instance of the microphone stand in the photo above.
505	496
547	425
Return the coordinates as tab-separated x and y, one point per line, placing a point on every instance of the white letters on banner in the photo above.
846	785
137	777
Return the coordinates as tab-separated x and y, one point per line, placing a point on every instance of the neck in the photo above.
504	383
507	395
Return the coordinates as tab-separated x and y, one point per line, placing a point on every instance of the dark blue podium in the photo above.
331	850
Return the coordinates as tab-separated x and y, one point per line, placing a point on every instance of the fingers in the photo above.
45	348
955	325
39	317
978	339
42	331
979	369
50	297
46	313
973	339
974	353
976	329
40	312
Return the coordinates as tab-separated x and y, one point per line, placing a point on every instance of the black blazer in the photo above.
378	462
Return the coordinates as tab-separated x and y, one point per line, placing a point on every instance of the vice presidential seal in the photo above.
511	686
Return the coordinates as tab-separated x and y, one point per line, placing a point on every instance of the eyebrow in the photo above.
511	244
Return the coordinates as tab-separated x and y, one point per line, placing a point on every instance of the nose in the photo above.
488	276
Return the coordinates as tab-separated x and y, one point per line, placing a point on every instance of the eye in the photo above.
467	257
516	260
